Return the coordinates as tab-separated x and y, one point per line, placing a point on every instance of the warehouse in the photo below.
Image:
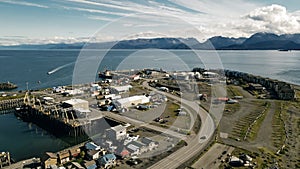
131	101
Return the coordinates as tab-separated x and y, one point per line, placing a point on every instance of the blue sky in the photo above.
69	21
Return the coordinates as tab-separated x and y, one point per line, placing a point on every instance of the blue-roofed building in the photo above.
92	146
107	160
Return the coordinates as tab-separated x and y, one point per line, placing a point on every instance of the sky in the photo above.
71	21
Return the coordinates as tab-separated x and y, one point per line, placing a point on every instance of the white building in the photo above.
210	74
78	104
92	146
73	92
120	89
136	148
131	101
181	76
116	133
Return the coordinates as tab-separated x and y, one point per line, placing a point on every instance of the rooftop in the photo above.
75	101
132	99
118	128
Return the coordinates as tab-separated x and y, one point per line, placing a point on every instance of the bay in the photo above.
26	140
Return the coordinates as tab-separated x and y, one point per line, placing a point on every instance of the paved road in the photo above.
195	144
138	123
210	159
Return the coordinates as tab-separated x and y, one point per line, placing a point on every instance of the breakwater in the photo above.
283	90
7	86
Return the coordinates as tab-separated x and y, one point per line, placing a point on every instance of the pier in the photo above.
58	117
6	106
4	159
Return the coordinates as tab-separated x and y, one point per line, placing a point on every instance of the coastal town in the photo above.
150	84
148	118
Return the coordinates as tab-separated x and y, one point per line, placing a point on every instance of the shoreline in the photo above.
239	74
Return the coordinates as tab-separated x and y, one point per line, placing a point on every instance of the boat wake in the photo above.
59	68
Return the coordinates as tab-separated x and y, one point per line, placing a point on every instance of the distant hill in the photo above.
268	41
258	41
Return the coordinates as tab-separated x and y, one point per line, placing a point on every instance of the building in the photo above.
120	89
49	159
256	87
135	77
63	157
210	75
236	162
136	148
149	143
76	165
181	76
107	160
72	92
92	146
122	152
90	164
93	154
74	152
130	101
116	133
76	104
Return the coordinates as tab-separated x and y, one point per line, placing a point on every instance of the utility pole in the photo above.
27	86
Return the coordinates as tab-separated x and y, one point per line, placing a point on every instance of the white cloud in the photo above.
275	19
49	40
18	2
149	18
94	11
100	18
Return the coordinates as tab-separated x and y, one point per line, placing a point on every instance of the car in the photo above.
203	137
133	161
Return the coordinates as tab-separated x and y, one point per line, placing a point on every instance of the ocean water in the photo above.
22	66
25	140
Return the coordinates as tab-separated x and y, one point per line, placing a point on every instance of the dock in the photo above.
7	105
4	159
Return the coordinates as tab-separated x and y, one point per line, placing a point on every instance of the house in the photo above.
107	160
49	159
92	154
149	143
122	152
136	148
92	146
90	164
116	133
63	157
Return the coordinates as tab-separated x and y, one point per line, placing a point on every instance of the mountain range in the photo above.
258	41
